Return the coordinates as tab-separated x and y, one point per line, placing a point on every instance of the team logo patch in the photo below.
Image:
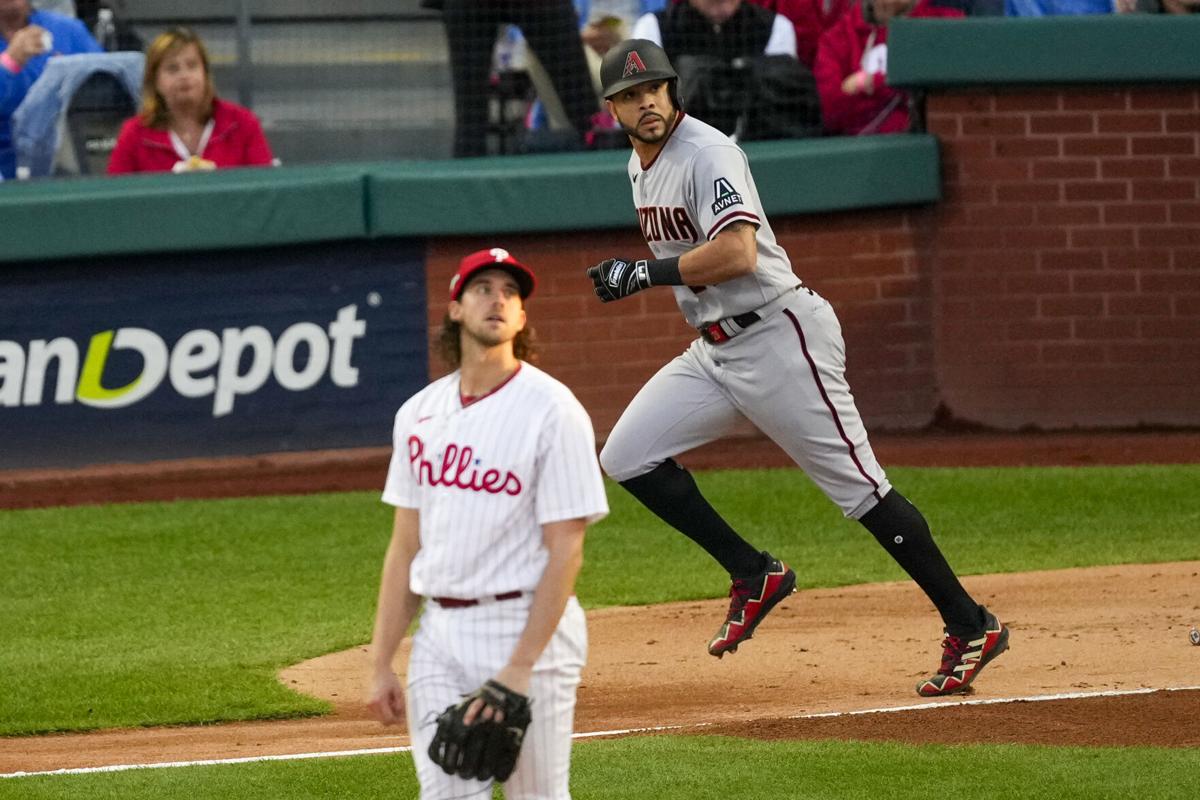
724	196
633	64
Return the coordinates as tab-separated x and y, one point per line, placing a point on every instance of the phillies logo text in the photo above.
459	468
660	223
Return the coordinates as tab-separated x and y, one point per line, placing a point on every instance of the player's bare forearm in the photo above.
397	604
732	254
564	540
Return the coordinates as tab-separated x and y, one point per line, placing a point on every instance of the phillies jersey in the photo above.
699	183
485	476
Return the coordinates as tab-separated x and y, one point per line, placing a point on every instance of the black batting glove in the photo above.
614	278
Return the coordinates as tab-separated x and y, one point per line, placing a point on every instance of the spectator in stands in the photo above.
737	67
28	38
551	29
607	22
810	18
1049	8
983	8
1156	6
728	28
604	23
183	126
852	68
126	38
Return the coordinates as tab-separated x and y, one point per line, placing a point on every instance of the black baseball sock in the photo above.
670	492
904	533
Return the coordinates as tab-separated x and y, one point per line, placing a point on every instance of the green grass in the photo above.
985	520
697	768
183	612
131	615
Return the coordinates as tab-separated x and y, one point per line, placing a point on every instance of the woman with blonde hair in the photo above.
183	126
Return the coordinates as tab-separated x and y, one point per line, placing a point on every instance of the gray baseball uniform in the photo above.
784	371
770	349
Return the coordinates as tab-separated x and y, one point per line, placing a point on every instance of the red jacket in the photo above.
237	141
810	19
840	55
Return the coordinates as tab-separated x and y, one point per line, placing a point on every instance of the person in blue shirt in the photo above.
28	39
1057	8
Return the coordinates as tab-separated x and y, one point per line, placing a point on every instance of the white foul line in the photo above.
621	732
211	762
994	700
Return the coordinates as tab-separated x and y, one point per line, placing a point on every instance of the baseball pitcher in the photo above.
494	479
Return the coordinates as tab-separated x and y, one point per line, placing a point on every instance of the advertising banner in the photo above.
144	358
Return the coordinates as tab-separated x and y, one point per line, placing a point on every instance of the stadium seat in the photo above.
69	121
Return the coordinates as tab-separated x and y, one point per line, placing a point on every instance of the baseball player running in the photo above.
494	478
770	349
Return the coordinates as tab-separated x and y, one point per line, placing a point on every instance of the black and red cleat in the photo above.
964	656
750	599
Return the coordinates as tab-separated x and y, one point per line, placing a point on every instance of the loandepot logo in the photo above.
202	363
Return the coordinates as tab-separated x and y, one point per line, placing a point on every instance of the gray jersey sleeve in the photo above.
722	189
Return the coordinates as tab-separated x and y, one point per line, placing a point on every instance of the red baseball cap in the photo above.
493	258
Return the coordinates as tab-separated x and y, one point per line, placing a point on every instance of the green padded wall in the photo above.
994	51
591	191
585	191
171	213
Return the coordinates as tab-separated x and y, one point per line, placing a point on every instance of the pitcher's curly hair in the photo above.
449	344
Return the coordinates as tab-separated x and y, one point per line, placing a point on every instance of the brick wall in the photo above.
1066	265
866	263
1057	285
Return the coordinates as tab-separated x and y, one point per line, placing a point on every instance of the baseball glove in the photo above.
485	749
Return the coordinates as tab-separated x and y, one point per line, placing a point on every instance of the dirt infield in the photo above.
1080	631
1090	631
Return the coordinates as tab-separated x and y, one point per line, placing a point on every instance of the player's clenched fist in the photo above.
614	278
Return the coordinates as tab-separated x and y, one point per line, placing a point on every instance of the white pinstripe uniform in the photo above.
485	475
785	373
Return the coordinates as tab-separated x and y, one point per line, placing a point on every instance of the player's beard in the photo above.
635	132
487	338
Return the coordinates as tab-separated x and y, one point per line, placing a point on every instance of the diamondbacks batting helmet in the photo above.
634	61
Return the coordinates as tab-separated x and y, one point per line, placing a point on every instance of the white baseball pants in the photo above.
455	650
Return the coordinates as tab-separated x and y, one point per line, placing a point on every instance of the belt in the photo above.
725	329
454	602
